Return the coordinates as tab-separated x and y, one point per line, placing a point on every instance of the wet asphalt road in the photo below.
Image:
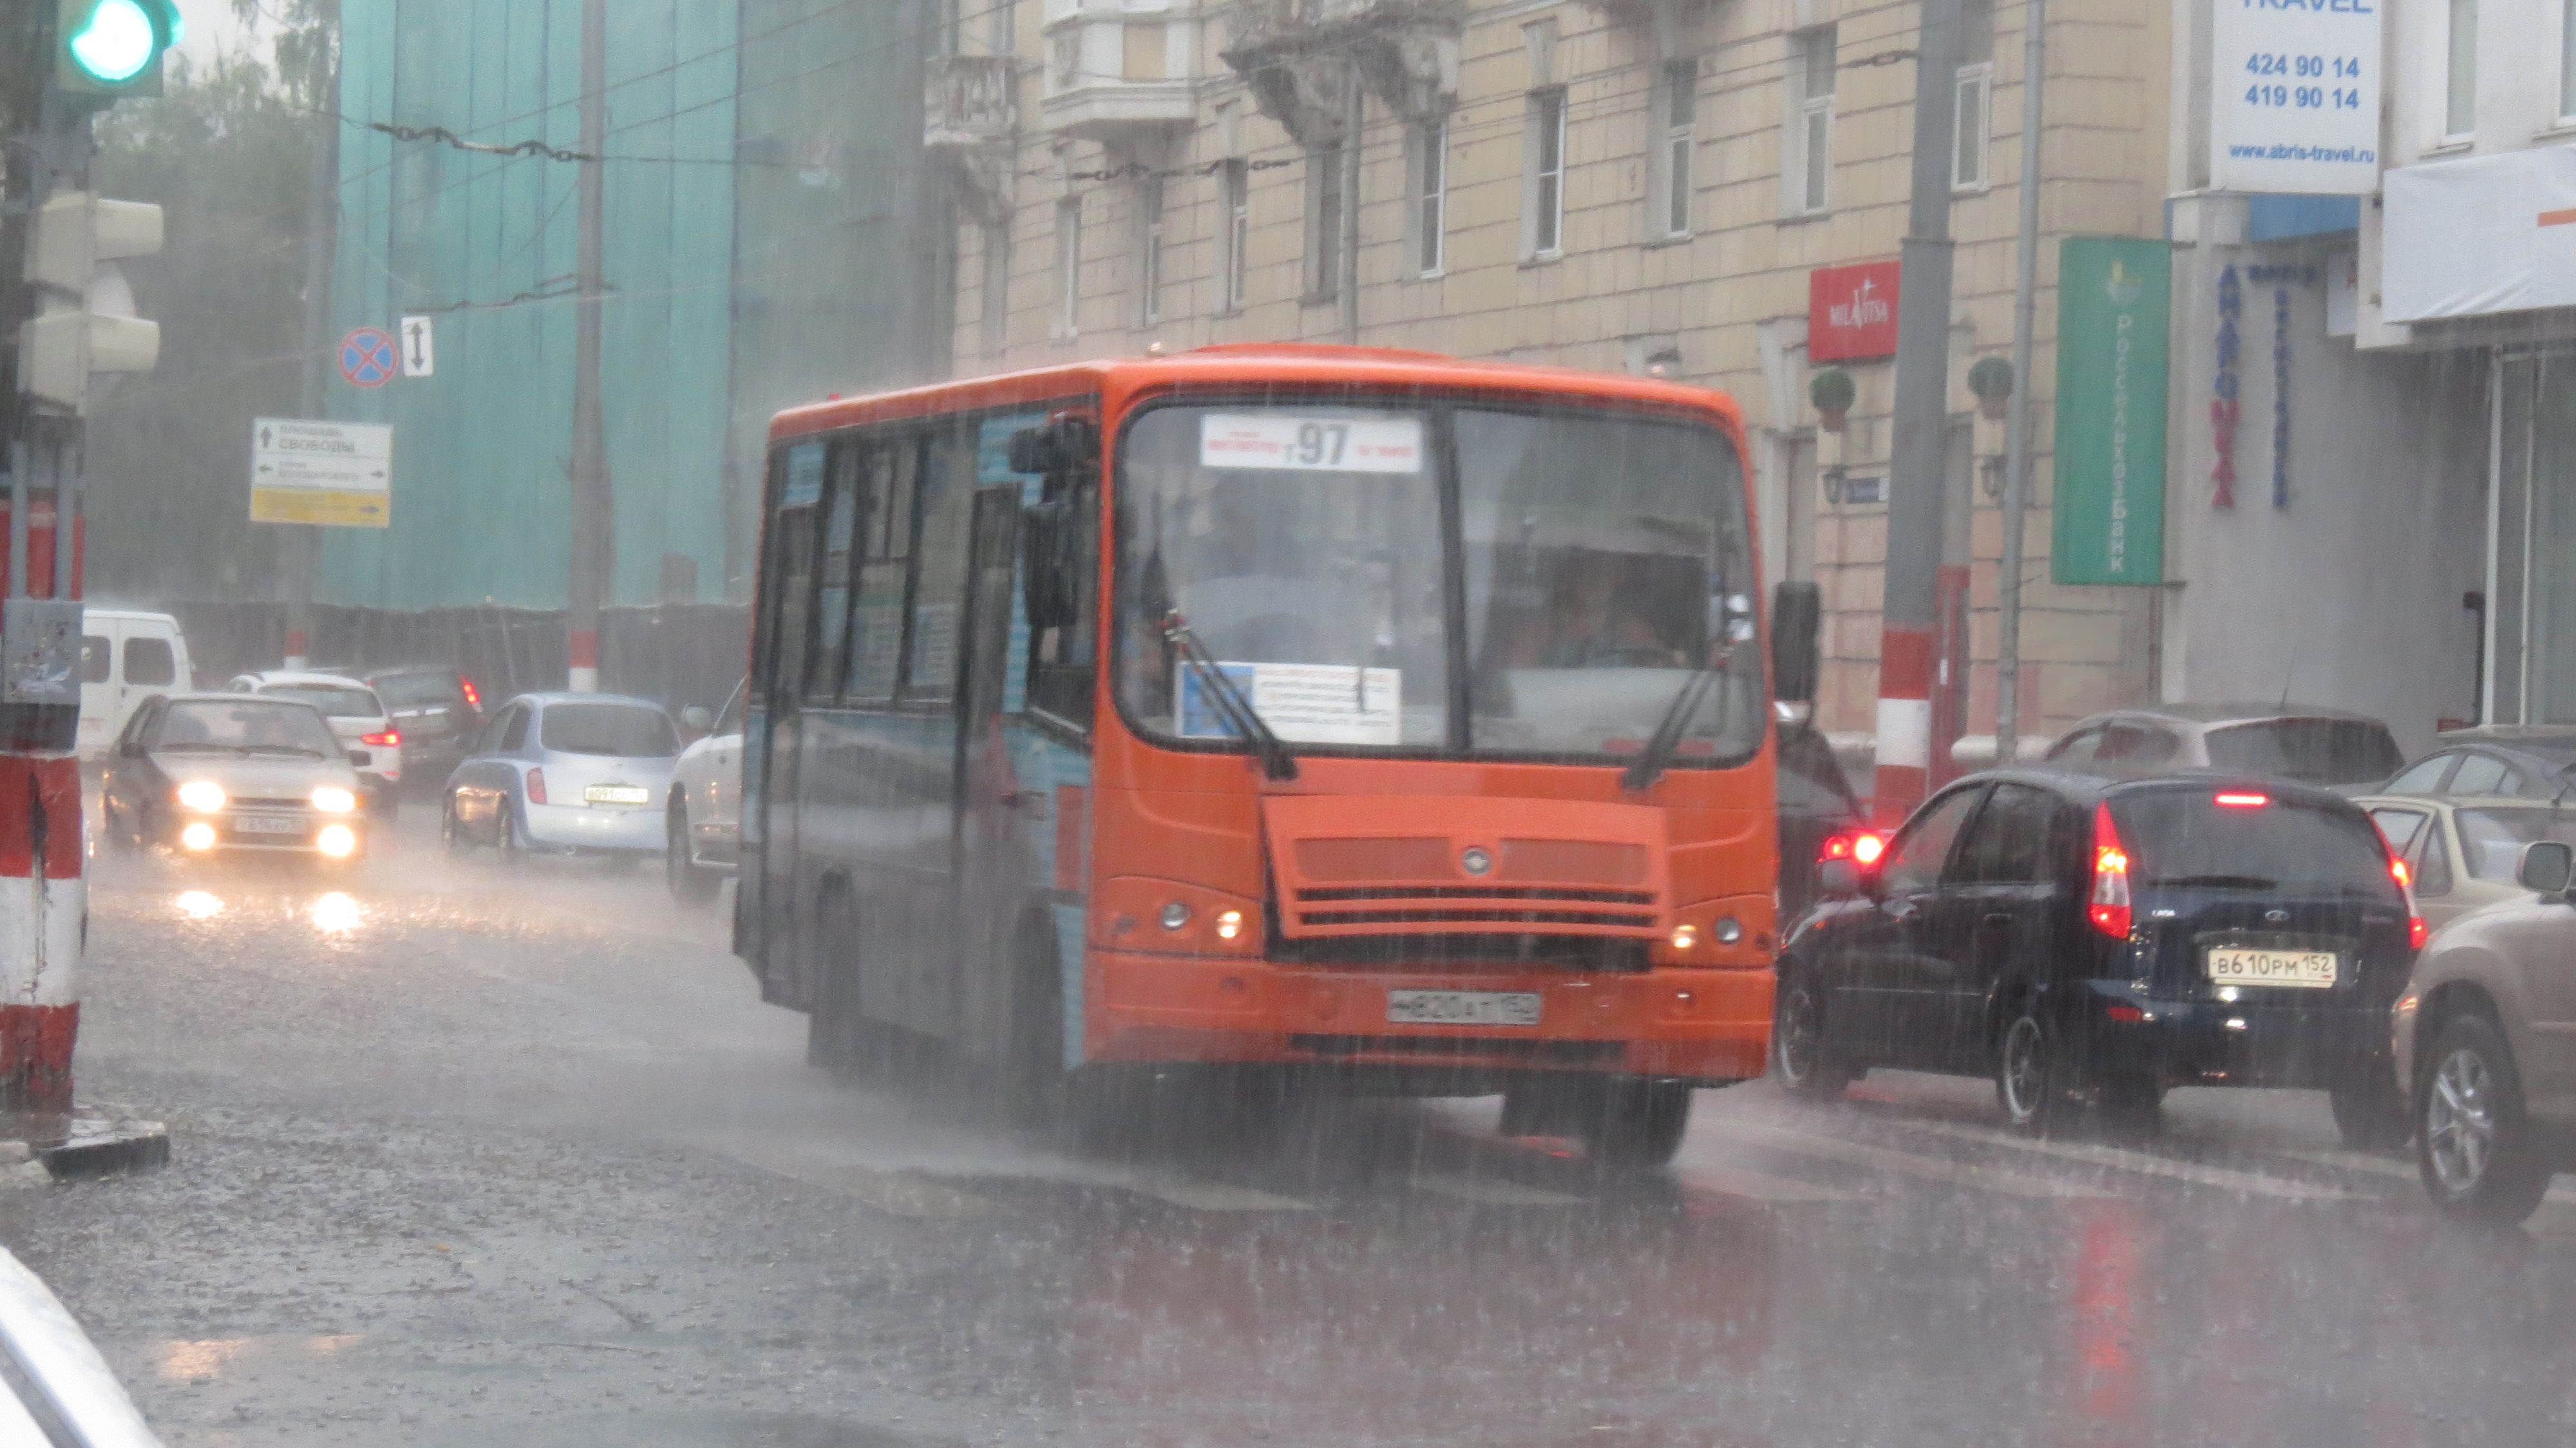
467	1158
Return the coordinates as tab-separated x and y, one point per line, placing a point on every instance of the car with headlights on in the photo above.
213	774
357	714
2084	938
565	773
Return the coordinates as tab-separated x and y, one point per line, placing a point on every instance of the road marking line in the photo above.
2248	1183
1729	1181
898	1193
1490	1191
1984	1178
2401	1170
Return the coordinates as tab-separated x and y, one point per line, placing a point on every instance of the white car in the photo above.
705	815
364	726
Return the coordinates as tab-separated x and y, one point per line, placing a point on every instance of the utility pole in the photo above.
1916	471
592	538
2034	46
303	542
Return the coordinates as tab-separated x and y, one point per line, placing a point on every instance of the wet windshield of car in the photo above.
1304	546
2312	751
2491	840
254	726
2185	836
333	701
626	731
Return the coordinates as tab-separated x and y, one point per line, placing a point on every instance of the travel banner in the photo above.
2112	295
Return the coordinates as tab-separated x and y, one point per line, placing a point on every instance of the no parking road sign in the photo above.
368	357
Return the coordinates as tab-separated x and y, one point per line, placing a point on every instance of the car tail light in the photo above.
1861	847
473	696
2109	908
2416	929
536	786
385	740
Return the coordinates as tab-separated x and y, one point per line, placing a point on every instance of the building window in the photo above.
1808	147
1431	194
1068	266
1976	127
1681	134
1324	182
1543	190
1237	176
2567	62
1149	251
2460	113
996	289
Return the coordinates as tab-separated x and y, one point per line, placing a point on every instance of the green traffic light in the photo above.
115	42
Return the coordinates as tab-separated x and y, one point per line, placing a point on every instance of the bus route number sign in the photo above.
1287	442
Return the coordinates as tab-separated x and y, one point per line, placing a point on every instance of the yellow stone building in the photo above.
1615	184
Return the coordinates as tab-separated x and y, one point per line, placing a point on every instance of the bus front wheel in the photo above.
1624	1123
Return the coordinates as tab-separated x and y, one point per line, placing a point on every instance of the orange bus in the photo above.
1264	713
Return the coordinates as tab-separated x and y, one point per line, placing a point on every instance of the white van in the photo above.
127	656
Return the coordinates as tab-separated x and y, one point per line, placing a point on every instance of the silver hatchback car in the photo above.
565	774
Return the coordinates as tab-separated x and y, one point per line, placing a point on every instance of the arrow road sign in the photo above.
419	352
333	473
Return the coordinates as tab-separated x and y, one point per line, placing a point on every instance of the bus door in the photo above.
994	865
788	610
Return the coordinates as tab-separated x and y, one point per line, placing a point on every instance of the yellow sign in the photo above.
320	505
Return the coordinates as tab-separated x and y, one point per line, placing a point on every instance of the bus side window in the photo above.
790	571
844	501
890	467
947	510
1061	660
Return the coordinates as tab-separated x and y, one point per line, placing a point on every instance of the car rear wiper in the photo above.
296	749
2219	882
1277	761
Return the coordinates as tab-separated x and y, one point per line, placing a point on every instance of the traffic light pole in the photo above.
592	520
1919	463
303	542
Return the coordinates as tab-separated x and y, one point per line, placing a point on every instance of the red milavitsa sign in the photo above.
1851	311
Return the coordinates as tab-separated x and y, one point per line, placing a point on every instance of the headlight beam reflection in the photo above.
336	914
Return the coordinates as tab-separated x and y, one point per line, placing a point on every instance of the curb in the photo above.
104	1147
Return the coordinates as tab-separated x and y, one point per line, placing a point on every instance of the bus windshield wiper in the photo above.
1667	739
1277	761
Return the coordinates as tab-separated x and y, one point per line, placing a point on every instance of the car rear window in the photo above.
2491	840
2312	751
335	702
623	730
419	691
2186	837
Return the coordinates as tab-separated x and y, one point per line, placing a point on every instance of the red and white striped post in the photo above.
44	892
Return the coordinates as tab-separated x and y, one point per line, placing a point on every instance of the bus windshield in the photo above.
1451	578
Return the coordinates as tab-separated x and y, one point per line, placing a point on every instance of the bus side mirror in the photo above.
2546	867
1049	569
1797	617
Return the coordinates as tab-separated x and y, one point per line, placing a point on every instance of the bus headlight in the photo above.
1684	937
198	836
332	799
1229	924
204	796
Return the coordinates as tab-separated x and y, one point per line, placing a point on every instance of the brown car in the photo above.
2486	1032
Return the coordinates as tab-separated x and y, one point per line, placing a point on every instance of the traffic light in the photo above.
72	242
113	47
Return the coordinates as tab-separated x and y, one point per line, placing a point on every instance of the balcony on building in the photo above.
1113	68
968	103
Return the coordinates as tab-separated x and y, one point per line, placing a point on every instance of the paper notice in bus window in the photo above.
804	482
1286	441
1302	703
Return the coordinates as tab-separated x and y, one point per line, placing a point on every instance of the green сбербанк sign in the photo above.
2112	296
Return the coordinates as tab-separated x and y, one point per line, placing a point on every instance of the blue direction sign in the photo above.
368	358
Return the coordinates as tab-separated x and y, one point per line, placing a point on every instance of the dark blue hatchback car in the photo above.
2081	939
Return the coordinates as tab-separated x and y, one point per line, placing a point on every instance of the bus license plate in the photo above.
267	825
1462	1008
2302	969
